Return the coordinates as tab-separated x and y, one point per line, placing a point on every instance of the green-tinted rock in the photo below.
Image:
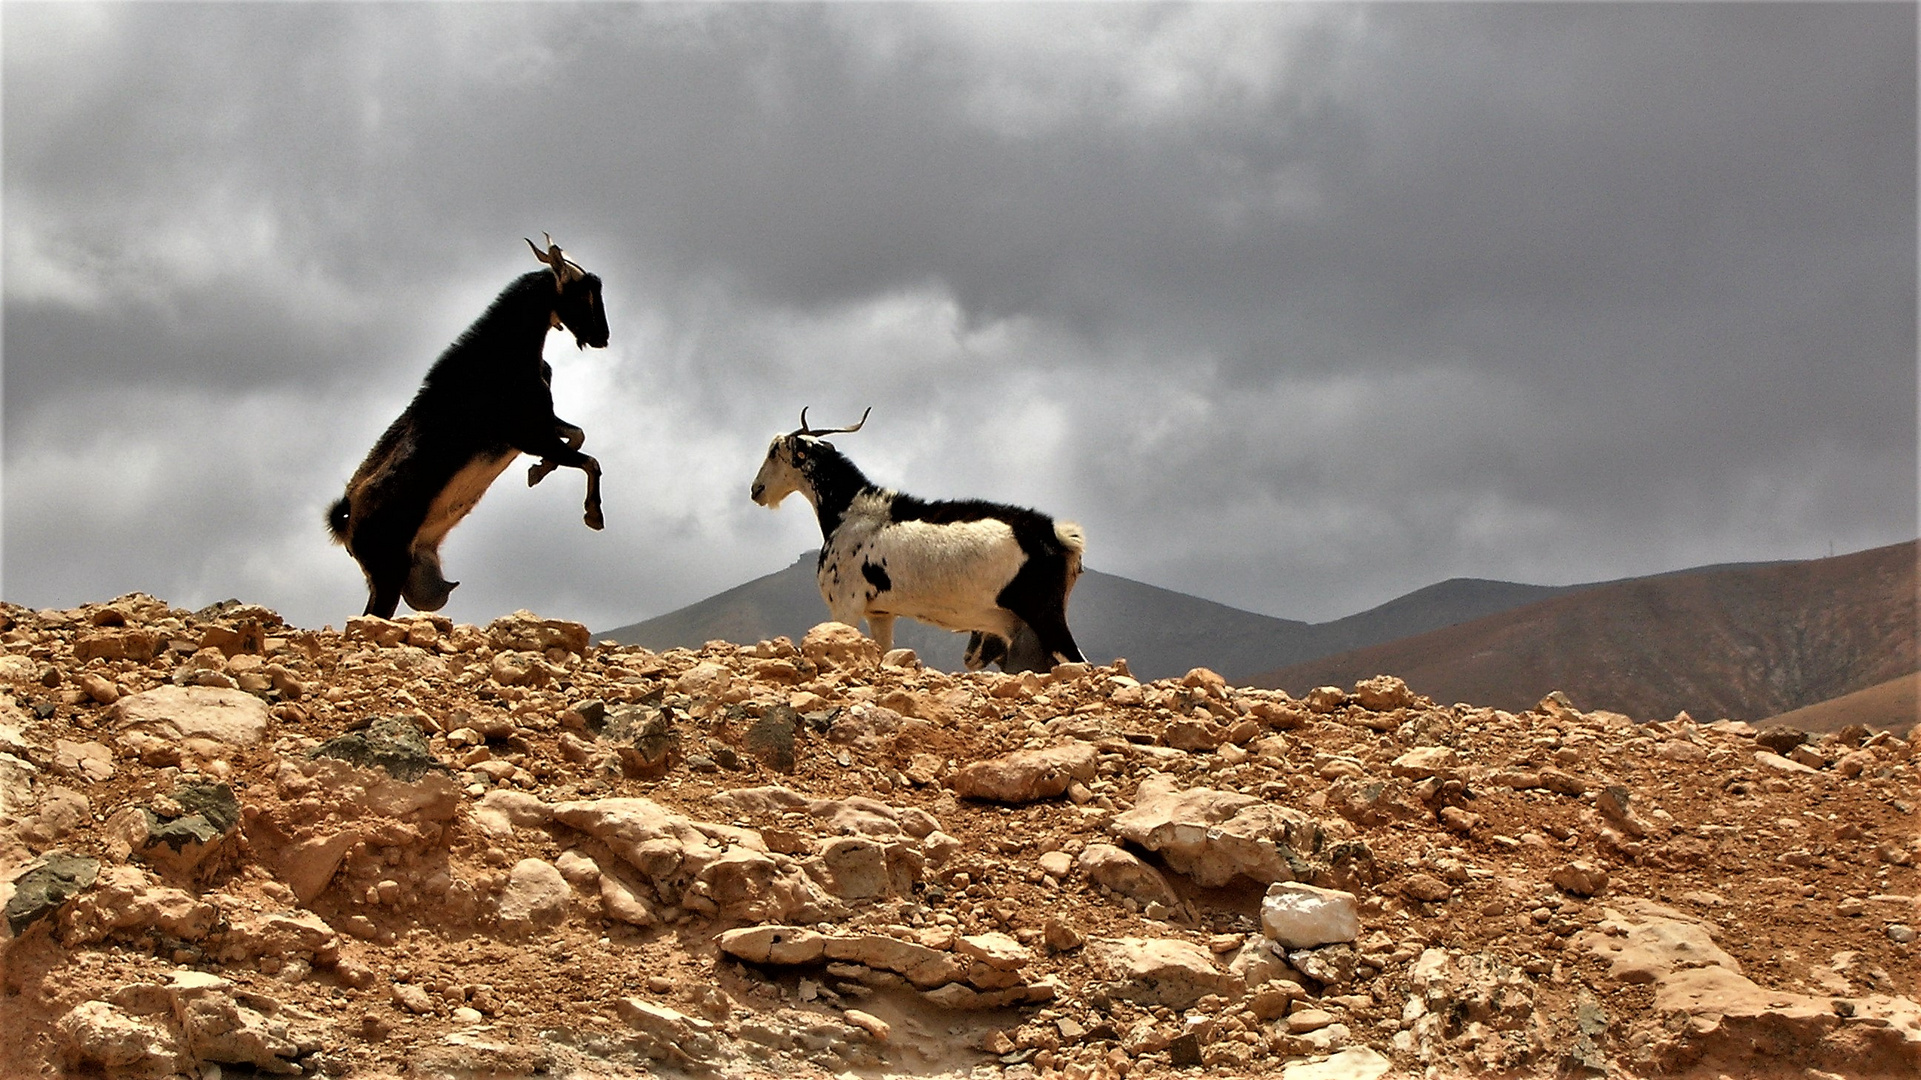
393	743
42	889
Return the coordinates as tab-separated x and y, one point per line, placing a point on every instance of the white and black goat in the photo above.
965	566
487	400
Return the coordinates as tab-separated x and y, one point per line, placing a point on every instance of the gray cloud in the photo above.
1293	306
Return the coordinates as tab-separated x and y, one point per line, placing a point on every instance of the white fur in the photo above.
947	575
944	575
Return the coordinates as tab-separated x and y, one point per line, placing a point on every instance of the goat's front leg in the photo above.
562	447
568	434
883	629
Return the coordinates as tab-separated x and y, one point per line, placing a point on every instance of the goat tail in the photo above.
338	517
1075	541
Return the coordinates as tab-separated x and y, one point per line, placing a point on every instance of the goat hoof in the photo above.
595	521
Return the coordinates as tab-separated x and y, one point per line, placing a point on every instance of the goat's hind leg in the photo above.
1038	594
386	578
1056	639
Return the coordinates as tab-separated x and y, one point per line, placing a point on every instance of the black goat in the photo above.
488	399
969	565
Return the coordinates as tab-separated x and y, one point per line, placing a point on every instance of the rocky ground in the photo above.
234	847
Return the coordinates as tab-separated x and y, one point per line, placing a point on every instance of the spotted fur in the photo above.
968	566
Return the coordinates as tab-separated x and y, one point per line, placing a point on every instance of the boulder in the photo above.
837	646
523	630
1383	693
536	895
1216	836
41	887
1125	873
180	833
1027	776
1159	971
95	1035
126	902
1301	916
203	717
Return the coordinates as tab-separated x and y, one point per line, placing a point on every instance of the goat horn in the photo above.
805	430
565	269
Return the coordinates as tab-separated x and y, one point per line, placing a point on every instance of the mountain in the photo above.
1895	705
1746	642
1159	631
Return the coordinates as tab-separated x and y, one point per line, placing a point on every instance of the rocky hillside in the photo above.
1746	642
435	850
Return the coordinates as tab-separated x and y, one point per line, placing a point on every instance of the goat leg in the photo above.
592	469
567	433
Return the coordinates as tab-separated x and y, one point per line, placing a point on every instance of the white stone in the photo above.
228	717
1354	1063
1301	916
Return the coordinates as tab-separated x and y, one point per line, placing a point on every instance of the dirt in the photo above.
1496	874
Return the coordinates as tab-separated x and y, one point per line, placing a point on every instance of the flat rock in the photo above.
1216	836
1425	761
1159	971
228	717
1354	1063
924	967
1027	776
1126	873
1644	941
774	944
996	950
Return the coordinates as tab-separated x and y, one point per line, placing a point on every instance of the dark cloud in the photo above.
1293	306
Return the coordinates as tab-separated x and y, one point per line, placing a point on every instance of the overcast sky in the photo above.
1294	307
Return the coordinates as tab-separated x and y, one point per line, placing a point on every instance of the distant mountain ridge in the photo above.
1746	642
1161	632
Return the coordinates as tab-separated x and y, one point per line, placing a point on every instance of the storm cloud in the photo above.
1294	307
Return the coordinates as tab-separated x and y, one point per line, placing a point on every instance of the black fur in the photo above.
876	576
835	480
487	396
